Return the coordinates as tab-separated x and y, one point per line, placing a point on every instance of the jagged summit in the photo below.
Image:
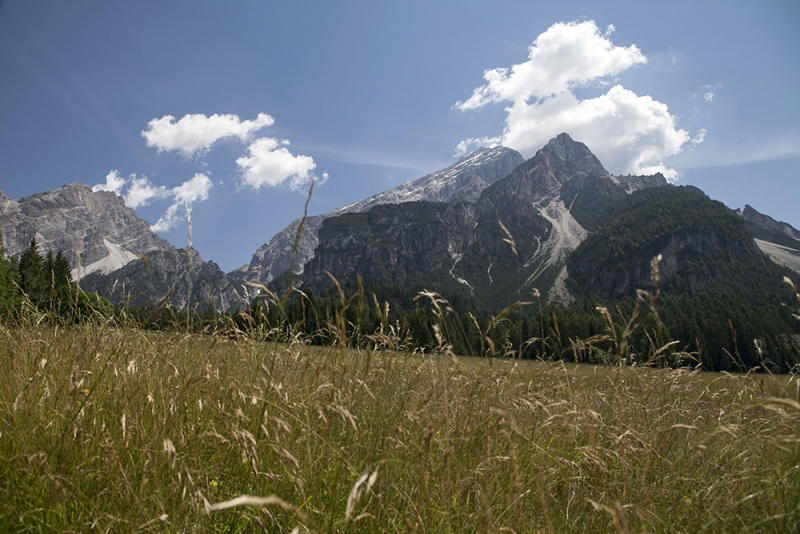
559	160
751	214
94	230
168	273
565	148
777	239
462	181
564	155
549	204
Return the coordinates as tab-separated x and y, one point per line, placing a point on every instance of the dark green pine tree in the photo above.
33	280
62	273
9	292
58	277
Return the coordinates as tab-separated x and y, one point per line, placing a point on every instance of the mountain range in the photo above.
463	181
111	250
492	224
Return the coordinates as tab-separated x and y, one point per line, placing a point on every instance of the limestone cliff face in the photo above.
397	243
103	240
94	230
541	204
767	223
462	181
180	274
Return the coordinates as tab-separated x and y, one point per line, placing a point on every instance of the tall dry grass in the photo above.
109	428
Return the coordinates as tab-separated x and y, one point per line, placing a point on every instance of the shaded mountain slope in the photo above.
539	203
462	181
705	248
167	273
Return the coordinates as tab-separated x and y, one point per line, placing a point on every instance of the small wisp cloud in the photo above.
629	133
186	194
140	191
267	162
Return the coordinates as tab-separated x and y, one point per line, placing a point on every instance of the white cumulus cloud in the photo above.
629	133
186	194
114	182
194	134
140	191
137	191
269	163
566	56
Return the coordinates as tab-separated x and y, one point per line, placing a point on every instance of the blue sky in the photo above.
363	96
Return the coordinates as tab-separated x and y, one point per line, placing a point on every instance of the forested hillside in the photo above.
46	284
705	249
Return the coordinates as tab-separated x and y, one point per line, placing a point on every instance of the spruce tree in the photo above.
32	274
62	273
9	292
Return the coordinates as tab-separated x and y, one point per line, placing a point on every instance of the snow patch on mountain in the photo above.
565	236
780	254
117	258
457	258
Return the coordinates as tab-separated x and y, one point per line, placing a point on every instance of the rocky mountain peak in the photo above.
548	204
560	160
563	150
462	181
94	230
751	214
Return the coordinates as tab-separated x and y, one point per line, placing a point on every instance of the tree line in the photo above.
711	332
44	283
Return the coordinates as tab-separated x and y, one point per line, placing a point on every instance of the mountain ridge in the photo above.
466	244
94	230
547	206
462	181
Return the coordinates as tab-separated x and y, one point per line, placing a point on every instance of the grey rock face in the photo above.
96	227
167	272
778	240
102	239
768	223
462	181
635	183
540	203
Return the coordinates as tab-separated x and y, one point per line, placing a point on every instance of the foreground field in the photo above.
114	429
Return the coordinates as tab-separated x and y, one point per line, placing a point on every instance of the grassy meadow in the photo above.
110	428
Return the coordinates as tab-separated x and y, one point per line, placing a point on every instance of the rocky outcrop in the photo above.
464	245
633	183
462	181
178	277
778	240
768	223
94	230
104	240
